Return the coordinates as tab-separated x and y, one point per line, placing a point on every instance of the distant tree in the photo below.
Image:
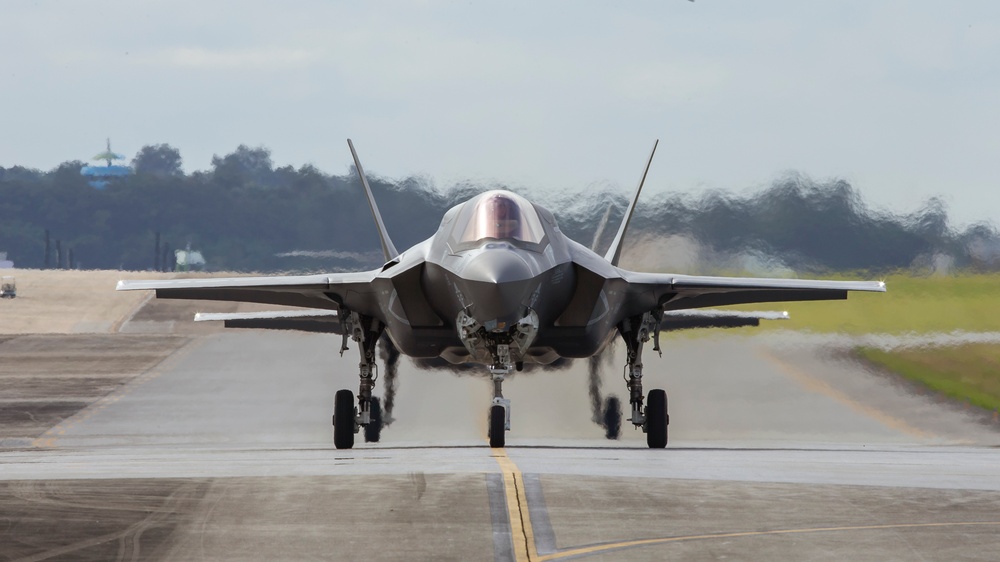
160	160
20	173
244	167
67	175
246	214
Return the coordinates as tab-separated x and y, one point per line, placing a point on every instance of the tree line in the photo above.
246	214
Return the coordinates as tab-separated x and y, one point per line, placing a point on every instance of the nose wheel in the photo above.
498	423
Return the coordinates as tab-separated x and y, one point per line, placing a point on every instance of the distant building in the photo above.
4	262
101	175
188	260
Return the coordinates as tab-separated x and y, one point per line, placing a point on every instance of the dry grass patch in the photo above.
64	302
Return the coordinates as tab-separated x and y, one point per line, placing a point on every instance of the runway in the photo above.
780	448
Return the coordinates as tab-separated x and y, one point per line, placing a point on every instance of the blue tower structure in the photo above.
100	175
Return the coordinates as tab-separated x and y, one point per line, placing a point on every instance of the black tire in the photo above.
656	419
373	431
343	419
498	419
612	418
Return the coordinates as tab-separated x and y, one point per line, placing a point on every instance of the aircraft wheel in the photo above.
656	419
498	419
612	418
373	431
343	419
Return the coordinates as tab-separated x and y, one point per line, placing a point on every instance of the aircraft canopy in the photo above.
499	215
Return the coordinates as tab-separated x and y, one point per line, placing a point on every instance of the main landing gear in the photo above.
653	419
605	412
348	419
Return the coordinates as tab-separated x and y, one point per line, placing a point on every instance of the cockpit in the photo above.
498	215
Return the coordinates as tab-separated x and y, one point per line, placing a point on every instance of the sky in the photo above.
900	98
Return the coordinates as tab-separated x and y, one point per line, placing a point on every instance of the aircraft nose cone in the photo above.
499	284
498	266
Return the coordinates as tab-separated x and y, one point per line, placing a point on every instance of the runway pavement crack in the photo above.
517	508
521	502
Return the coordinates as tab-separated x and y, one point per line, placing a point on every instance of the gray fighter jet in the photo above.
499	285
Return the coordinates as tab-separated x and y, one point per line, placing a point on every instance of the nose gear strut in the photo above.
503	351
500	407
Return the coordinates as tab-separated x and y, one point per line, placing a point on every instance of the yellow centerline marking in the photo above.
517	508
816	385
523	535
648	542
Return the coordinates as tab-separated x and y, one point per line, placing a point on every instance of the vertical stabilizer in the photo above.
601	226
387	248
615	251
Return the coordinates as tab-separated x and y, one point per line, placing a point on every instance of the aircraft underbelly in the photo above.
495	307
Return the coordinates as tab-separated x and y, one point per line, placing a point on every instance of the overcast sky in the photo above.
900	98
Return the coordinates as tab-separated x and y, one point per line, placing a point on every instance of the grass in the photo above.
911	305
917	305
969	373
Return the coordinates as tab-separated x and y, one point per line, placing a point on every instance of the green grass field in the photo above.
919	305
911	304
969	373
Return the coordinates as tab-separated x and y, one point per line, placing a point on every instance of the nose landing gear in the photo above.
500	408
494	347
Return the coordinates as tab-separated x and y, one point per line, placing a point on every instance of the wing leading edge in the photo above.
679	292
709	318
324	291
313	320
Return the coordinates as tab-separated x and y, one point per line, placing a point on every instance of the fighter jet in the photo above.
499	285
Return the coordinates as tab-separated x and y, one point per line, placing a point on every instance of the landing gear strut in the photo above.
503	349
653	419
500	408
348	420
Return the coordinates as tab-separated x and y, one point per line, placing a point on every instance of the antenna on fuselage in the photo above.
387	248
615	251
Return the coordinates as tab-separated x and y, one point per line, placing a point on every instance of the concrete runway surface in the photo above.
780	449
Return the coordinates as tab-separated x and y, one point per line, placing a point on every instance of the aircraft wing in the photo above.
688	319
324	291
679	292
313	320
